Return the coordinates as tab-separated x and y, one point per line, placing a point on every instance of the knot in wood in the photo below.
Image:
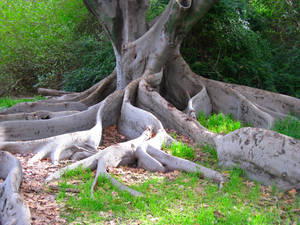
184	3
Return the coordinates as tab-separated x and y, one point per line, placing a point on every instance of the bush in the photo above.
35	40
181	150
219	123
97	60
234	43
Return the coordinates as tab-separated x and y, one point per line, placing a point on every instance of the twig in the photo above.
56	188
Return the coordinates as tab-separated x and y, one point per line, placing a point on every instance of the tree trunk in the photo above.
153	88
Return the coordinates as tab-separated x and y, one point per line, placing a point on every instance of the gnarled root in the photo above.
13	210
266	156
148	137
142	105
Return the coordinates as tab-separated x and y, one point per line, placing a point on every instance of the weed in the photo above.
8	102
181	150
211	150
219	123
289	126
173	135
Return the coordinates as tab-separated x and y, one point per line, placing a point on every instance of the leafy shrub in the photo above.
35	40
289	126
181	150
219	123
97	60
156	7
240	42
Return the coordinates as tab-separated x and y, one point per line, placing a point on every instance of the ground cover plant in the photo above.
289	126
181	150
174	198
219	123
8	102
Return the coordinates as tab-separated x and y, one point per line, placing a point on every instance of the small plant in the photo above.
219	123
8	102
173	135
181	150
289	126
211	150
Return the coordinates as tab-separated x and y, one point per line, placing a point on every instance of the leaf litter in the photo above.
41	199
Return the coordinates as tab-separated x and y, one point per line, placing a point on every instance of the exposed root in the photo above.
52	92
29	107
249	148
171	98
149	136
170	116
121	154
155	89
265	155
91	96
13	210
39	115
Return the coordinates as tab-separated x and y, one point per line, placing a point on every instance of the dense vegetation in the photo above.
57	44
254	42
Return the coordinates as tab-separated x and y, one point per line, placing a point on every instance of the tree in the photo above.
152	87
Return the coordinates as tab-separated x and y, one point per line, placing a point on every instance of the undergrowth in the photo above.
289	126
181	150
211	150
8	102
183	199
219	123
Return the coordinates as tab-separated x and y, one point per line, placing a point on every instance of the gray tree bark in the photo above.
153	88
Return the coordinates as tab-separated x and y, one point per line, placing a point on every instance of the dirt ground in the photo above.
41	197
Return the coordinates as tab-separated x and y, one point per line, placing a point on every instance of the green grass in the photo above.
289	126
211	150
181	150
219	123
8	102
186	199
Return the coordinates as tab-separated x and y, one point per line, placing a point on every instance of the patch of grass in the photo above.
211	150
181	150
289	126
8	102
219	123
187	199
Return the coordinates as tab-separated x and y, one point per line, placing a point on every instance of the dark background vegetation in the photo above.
58	44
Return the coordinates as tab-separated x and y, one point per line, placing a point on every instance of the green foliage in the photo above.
156	7
211	150
48	43
8	102
289	126
238	42
97	60
181	150
37	42
219	123
186	199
